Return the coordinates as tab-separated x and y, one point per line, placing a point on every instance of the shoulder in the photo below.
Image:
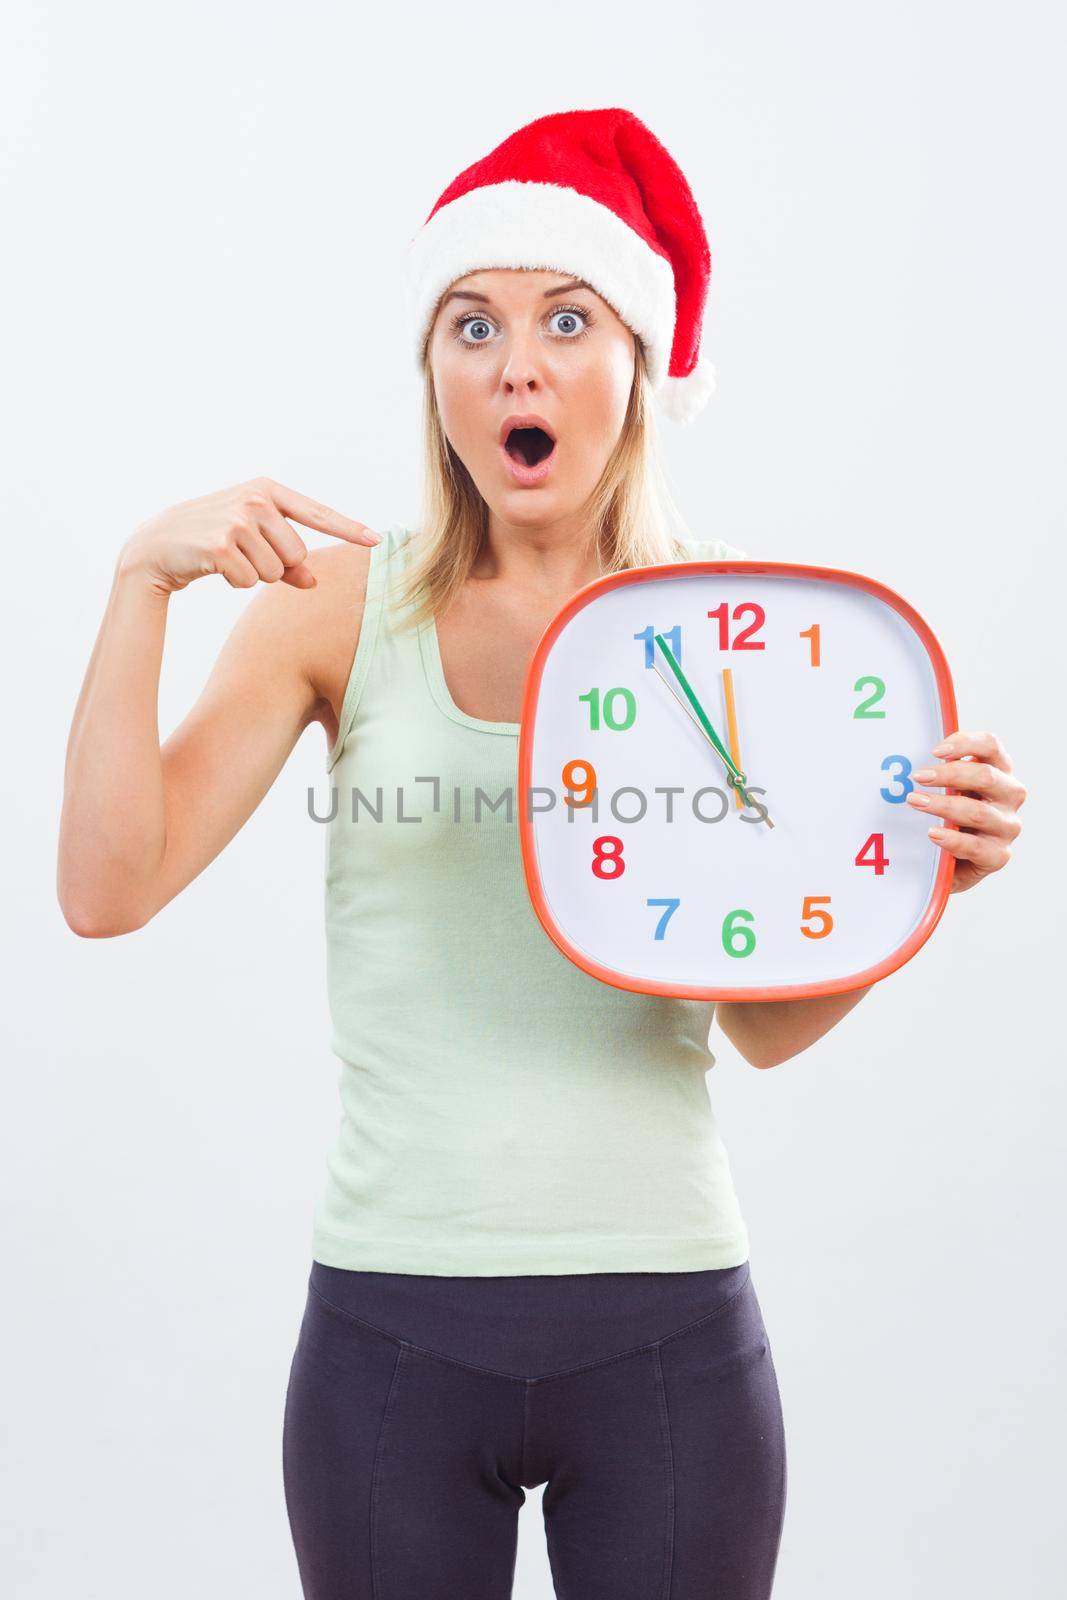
334	609
341	571
314	632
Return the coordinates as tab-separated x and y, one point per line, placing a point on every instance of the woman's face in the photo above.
515	342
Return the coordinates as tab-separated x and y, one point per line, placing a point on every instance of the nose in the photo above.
521	372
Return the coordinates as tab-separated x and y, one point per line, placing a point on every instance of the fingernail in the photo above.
925	775
941	749
935	833
916	799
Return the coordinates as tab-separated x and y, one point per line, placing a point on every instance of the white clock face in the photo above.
825	689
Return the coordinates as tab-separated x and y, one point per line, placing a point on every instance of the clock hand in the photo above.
688	709
735	742
734	776
698	709
731	724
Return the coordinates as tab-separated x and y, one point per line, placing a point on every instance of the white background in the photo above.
207	212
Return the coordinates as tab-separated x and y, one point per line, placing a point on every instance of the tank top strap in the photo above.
712	550
386	566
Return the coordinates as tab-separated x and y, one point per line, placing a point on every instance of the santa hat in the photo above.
594	194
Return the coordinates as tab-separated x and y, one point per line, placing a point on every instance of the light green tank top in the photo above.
502	1111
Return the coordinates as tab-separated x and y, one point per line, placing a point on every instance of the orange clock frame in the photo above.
672	569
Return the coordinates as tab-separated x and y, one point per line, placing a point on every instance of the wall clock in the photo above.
713	762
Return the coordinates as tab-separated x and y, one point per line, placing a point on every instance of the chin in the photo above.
532	507
534	504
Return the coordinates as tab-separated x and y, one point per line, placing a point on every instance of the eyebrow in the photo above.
564	288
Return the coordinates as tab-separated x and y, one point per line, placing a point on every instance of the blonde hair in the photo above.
631	508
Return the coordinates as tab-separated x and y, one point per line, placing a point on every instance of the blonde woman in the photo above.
529	1262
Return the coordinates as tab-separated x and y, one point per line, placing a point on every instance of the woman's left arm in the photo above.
767	1032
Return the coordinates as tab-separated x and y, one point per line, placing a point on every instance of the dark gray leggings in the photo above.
419	1408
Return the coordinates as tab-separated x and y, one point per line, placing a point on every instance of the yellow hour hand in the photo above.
734	776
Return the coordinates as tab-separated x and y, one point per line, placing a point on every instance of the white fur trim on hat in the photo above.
545	226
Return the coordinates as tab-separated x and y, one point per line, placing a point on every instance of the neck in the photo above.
546	559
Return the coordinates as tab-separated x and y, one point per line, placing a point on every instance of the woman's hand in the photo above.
986	810
240	532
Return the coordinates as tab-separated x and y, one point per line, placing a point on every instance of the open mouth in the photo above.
529	446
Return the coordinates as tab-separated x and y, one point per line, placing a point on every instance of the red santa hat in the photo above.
593	194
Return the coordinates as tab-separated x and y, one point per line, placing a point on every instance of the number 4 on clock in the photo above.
878	859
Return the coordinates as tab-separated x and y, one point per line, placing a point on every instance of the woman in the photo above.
529	1263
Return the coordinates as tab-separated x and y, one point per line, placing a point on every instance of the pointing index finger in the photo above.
313	514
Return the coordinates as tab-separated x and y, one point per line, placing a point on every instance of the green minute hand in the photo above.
697	707
737	777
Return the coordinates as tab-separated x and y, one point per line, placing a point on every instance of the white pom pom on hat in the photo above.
594	194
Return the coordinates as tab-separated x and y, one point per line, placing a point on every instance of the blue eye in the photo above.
482	328
475	322
570	315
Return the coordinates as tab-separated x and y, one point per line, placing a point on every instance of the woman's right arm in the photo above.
139	821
